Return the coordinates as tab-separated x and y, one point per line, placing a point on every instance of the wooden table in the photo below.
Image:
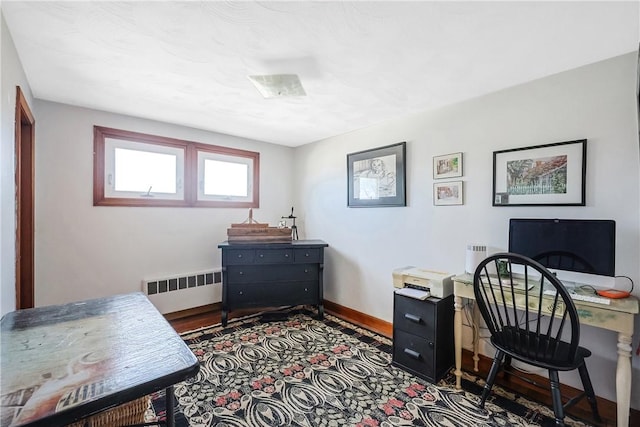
617	317
66	362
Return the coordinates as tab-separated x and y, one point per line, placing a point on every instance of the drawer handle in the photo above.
306	271
261	255
307	254
240	293
239	255
411	353
241	273
286	255
413	317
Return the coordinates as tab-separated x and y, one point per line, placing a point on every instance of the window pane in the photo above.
144	171
225	178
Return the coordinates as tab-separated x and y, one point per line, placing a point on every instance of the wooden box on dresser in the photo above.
423	336
272	275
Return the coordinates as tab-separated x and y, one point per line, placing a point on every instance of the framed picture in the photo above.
551	174
447	193
447	166
377	177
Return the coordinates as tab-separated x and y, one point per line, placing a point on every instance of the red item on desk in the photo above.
613	293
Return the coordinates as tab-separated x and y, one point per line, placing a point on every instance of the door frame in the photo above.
25	203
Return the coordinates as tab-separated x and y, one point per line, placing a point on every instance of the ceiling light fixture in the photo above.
278	85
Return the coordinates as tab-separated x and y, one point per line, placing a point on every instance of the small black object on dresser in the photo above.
272	275
423	336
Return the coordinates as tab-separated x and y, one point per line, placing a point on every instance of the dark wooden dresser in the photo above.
272	275
423	336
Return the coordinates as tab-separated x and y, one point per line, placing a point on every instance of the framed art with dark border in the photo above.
447	166
541	175
376	177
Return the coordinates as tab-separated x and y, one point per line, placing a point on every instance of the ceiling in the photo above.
360	63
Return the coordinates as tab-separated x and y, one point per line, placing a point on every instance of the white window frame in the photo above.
111	144
207	155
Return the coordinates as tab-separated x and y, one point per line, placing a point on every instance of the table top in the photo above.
263	245
66	362
625	305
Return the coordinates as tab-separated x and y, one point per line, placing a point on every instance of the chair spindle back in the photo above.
502	287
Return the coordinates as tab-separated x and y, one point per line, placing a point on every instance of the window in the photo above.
135	169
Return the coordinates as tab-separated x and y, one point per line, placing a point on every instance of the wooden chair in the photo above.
544	335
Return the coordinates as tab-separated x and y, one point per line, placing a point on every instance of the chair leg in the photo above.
495	367
506	366
556	397
588	390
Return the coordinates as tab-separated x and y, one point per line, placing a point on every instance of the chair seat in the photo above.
538	350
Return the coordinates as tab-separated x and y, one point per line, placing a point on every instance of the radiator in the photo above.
181	282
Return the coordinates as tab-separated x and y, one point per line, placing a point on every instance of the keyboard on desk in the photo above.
582	297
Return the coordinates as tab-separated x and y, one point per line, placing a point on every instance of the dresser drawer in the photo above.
414	316
273	294
271	273
238	256
413	353
303	255
274	256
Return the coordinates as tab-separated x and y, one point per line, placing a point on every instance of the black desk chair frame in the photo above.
547	339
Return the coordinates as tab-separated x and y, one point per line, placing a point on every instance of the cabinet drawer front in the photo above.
414	353
273	294
307	255
414	316
273	256
271	273
239	256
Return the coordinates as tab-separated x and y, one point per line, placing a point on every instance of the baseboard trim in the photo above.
360	318
193	311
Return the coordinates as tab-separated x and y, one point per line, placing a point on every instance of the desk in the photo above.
617	317
66	362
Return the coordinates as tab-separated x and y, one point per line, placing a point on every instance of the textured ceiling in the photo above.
361	63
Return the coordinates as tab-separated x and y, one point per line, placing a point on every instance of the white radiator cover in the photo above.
183	291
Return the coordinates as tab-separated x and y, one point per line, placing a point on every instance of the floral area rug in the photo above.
300	371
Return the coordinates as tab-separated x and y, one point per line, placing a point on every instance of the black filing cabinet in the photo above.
423	336
272	274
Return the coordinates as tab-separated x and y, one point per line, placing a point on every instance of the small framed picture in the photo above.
447	193
447	166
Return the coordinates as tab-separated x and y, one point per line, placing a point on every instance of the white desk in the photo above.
617	317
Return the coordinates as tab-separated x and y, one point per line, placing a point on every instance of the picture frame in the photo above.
541	175
376	177
448	193
447	166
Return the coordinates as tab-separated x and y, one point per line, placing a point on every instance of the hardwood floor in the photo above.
210	315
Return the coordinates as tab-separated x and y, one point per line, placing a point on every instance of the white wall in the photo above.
84	251
12	76
595	102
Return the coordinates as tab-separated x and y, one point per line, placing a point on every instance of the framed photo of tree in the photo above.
541	175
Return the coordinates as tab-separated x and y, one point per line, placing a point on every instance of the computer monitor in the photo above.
585	246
